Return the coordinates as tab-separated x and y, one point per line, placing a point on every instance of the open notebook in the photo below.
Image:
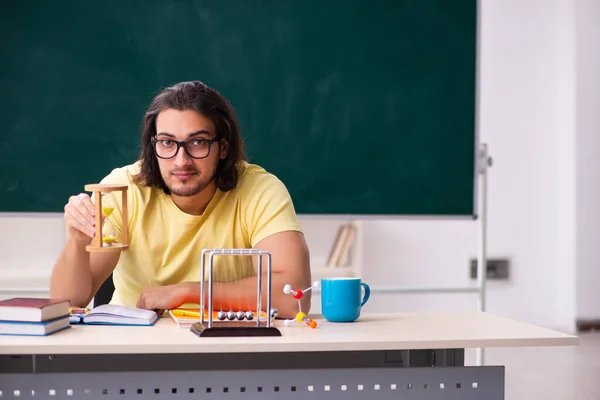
109	314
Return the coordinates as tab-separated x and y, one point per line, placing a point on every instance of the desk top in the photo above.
369	332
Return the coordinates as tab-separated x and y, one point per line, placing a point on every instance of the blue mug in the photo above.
341	298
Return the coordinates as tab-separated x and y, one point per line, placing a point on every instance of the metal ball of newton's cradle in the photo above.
274	312
249	315
221	315
239	315
230	315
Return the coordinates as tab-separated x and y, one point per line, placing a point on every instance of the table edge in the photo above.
284	347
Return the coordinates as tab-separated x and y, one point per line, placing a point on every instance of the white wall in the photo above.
566	256
527	116
29	245
588	157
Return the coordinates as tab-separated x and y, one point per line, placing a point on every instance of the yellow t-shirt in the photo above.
165	244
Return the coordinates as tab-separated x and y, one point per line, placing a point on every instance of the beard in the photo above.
185	188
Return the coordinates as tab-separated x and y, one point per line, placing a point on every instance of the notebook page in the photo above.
122	311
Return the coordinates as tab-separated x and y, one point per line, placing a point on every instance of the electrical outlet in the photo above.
497	268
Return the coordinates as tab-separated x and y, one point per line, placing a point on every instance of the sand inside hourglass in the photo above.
108	232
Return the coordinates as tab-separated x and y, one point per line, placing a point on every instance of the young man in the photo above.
191	189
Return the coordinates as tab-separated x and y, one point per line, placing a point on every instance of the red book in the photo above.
32	309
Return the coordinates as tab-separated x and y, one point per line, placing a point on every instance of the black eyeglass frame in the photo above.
184	145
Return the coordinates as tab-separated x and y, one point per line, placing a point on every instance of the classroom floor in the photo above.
551	373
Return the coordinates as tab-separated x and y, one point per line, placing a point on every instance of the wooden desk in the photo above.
380	356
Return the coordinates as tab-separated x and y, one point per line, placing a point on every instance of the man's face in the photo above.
184	175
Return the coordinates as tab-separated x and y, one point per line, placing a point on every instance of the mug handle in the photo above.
367	293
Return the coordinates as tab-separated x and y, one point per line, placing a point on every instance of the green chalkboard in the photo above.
359	107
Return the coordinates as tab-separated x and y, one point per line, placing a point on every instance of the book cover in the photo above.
26	328
33	309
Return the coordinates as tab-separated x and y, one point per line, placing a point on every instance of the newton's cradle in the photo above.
226	323
242	323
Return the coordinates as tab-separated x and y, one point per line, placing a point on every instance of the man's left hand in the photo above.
161	298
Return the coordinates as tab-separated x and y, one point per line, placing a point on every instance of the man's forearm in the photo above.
242	295
71	277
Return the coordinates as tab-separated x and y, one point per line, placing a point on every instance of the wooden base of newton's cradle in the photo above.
97	245
233	329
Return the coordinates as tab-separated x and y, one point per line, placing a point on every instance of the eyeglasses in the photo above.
195	148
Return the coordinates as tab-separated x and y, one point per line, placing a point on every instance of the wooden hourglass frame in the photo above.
97	242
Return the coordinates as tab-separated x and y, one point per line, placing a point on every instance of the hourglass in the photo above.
105	203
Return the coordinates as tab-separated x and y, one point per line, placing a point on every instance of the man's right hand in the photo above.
80	218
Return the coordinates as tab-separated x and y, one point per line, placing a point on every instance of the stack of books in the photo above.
33	316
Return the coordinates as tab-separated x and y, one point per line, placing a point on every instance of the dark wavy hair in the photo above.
199	97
